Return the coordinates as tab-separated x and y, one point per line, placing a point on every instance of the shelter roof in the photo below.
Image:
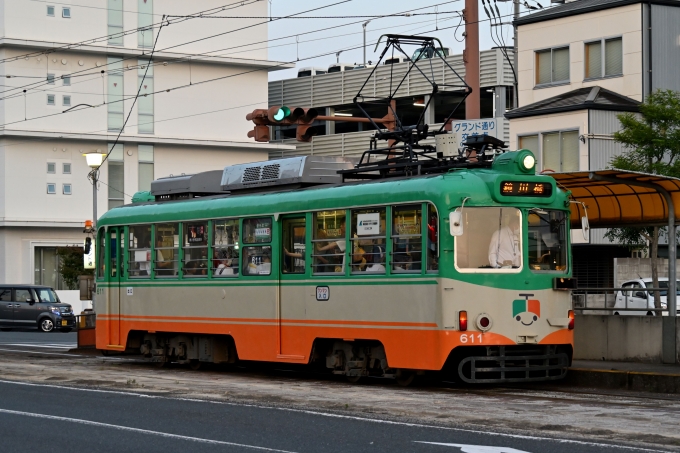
588	98
613	200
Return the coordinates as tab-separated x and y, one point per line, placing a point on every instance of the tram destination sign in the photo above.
526	189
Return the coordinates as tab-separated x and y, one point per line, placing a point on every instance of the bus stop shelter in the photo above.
618	198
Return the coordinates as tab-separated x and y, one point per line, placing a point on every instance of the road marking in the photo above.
41	352
464	448
348	417
138	430
40	345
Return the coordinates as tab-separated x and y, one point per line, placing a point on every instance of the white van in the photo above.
635	295
340	67
308	72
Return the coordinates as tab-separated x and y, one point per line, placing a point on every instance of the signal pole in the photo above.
471	58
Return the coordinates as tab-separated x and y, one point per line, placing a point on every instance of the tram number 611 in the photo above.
470	338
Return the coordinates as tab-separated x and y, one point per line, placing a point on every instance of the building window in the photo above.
115	93
604	58
50	99
51	167
116	176
529	142
50	10
552	66
145	22
67	80
66	13
46	268
66	189
50	79
66	168
66	101
115	22
51	188
145	100
145	154
560	151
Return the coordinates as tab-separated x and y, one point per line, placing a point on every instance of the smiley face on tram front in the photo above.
526	311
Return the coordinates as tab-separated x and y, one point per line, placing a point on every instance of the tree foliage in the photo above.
71	265
652	143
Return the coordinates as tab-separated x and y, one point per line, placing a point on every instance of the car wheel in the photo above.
46	325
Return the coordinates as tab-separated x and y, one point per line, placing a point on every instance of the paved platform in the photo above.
638	376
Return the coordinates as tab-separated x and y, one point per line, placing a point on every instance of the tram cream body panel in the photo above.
498	304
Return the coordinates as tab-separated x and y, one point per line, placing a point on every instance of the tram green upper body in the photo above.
446	191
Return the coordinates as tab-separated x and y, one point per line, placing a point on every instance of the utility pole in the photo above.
471	58
516	90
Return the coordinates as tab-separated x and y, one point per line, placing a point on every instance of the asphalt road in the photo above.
35	341
41	417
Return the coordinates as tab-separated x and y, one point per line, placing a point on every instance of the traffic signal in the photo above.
261	130
305	118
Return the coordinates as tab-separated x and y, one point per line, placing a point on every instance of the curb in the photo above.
628	380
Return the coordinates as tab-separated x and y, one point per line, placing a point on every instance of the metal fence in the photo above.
617	300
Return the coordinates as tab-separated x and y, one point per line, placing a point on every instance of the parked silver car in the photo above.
635	296
34	306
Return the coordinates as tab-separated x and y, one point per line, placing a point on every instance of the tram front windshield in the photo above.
547	240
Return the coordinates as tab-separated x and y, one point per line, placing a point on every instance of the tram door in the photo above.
292	291
116	239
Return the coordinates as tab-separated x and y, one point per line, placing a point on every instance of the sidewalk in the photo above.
642	377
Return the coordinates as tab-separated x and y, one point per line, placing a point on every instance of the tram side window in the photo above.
195	249
368	240
225	248
167	249
491	240
432	238
329	242
113	253
257	260
139	251
407	239
293	246
256	231
101	264
547	240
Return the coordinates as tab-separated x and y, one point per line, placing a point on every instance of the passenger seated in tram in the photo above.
163	267
504	248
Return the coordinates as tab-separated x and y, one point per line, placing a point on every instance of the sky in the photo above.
319	47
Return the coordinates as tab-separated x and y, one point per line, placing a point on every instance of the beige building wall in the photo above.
551	123
574	31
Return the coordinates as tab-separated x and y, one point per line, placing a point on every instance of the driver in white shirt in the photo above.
505	248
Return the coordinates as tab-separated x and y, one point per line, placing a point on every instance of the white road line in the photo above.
41	352
38	345
348	417
138	430
465	448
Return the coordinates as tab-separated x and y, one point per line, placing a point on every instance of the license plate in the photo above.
63	322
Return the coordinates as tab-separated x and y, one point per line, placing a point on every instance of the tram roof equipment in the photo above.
187	186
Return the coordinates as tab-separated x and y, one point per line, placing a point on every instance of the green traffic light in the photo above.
284	112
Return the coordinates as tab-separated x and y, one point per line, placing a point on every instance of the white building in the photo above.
45	195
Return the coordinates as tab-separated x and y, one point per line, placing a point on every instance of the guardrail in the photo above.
604	300
85	326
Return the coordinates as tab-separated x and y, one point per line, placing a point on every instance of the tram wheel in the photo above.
405	378
353	379
195	365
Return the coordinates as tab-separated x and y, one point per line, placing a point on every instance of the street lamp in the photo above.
94	161
364	25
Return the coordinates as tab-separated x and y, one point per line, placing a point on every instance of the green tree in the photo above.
71	265
652	143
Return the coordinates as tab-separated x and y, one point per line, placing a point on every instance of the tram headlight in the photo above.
529	161
571	319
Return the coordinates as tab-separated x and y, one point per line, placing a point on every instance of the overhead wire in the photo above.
267	68
187	58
